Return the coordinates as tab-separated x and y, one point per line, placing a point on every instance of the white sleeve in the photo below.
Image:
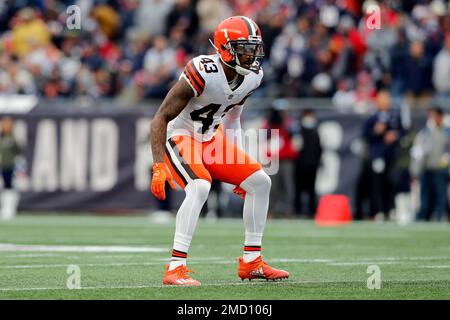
232	126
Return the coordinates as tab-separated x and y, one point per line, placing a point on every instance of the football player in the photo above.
191	145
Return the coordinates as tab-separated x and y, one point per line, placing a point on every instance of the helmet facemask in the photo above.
248	55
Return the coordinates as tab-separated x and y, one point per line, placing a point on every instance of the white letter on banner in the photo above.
143	157
331	137
21	178
104	154
45	165
74	149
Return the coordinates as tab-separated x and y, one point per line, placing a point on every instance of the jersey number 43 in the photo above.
206	115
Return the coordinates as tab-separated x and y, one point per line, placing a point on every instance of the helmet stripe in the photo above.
251	29
254	27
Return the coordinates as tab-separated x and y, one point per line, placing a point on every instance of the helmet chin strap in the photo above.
237	68
240	70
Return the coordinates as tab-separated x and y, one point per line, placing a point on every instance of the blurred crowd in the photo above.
133	50
130	50
404	168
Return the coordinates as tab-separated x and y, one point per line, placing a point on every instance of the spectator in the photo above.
307	163
399	58
108	20
135	49
430	164
183	15
15	78
377	58
282	192
159	64
55	86
247	8
287	59
84	83
128	11
365	93
404	210
28	27
271	24
69	61
151	16
348	47
135	91
344	98
211	12
9	150
363	191
382	132
441	70
418	75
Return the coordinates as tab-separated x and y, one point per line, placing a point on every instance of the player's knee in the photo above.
264	181
258	181
200	188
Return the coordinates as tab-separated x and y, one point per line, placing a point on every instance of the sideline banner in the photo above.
100	160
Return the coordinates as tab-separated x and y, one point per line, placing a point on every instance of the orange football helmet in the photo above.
237	37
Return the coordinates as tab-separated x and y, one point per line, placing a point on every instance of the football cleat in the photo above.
179	277
258	269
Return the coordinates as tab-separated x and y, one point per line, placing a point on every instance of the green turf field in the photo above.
325	263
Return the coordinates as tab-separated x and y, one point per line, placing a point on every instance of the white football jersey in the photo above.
213	98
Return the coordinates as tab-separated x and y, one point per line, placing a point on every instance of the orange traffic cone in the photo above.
333	210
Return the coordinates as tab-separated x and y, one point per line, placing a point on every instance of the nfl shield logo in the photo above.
230	97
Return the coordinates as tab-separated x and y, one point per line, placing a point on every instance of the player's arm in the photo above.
175	101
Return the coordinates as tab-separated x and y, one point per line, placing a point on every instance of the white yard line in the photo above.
7	247
215	260
302	260
31	255
53	249
436	267
45	266
361	263
421	258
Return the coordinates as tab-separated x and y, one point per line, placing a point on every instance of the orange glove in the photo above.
161	174
239	191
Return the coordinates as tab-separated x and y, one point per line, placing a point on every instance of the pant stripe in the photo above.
186	167
175	167
177	164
